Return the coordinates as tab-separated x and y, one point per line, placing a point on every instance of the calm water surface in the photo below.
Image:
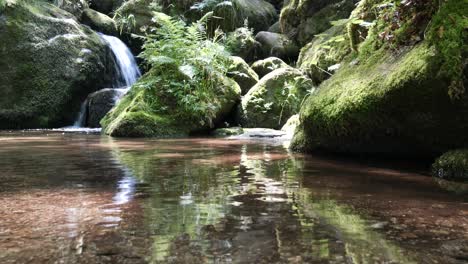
76	198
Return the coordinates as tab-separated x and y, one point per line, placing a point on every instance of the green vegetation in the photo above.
391	96
452	166
186	89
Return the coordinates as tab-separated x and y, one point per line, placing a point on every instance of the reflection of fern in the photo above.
186	65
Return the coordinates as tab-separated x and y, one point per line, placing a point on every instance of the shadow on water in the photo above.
86	198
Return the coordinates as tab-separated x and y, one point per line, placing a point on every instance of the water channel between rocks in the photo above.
86	198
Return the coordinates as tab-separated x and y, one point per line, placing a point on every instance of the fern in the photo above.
186	66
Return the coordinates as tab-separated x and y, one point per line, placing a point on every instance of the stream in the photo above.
87	198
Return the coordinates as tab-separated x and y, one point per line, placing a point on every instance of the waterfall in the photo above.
127	73
127	68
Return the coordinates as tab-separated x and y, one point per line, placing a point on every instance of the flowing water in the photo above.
87	198
127	71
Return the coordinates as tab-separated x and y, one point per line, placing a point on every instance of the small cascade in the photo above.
127	71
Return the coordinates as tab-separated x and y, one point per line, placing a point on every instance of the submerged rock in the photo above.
49	64
275	98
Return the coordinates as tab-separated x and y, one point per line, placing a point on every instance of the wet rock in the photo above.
49	65
100	103
457	249
231	131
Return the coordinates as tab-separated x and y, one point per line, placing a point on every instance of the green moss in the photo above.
275	98
449	33
44	73
327	49
388	104
307	18
452	166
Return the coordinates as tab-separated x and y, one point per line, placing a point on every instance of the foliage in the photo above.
448	32
186	67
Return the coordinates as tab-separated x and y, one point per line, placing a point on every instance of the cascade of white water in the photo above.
127	73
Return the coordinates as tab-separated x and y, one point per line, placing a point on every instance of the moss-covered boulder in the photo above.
276	45
229	15
452	166
264	67
240	72
143	114
303	19
241	42
135	16
399	95
99	22
275	98
74	7
325	52
49	64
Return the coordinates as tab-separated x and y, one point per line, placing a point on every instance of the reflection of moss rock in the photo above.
240	72
303	19
274	99
391	103
325	50
452	166
142	114
99	22
49	64
263	67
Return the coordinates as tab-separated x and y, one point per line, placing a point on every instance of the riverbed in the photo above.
88	198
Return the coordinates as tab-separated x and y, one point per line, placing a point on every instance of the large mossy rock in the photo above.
241	42
140	114
99	22
264	67
276	45
395	103
391	104
229	15
324	52
303	19
240	72
274	99
74	7
452	166
49	64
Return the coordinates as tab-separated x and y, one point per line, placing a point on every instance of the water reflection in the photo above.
86	198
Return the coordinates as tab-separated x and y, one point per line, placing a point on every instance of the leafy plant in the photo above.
187	67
